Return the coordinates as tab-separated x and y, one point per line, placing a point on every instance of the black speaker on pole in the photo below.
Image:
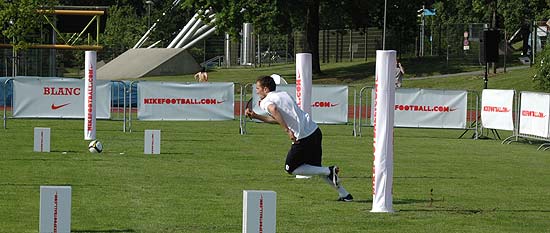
489	45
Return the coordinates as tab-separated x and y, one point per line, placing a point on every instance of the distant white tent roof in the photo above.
278	79
137	63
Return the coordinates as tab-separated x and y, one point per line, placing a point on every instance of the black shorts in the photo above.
308	151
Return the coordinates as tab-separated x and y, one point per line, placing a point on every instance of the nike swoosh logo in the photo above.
54	107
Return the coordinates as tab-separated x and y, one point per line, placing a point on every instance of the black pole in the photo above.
485	78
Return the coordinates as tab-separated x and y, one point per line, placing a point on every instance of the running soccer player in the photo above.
305	154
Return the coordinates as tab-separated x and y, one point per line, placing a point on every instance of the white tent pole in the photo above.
189	33
188	45
199	32
183	31
154	44
145	36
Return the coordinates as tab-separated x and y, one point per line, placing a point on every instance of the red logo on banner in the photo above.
55	217
89	107
181	101
323	104
299	89
55	107
495	109
61	91
261	227
423	108
528	113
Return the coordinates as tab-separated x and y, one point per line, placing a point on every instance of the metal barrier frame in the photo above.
5	92
470	102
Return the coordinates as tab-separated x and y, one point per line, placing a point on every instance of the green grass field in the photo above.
196	184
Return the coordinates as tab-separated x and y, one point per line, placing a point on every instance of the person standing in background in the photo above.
201	76
399	72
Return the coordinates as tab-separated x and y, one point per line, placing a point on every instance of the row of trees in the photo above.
127	19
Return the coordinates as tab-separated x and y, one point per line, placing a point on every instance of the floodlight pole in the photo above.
149	3
485	77
384	30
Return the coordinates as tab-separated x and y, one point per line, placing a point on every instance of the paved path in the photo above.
499	70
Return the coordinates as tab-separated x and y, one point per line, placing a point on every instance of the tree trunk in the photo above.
312	34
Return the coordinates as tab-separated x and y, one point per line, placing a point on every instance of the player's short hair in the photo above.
267	81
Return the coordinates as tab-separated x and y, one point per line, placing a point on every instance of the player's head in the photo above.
264	85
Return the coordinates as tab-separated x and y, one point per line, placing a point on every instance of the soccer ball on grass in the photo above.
95	146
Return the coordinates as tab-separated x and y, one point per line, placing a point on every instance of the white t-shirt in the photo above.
296	119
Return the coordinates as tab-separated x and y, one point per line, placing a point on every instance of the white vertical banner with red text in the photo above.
186	101
90	59
496	109
303	81
534	110
259	211
384	101
55	209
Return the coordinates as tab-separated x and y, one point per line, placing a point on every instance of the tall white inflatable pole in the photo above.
303	81
89	96
382	177
303	86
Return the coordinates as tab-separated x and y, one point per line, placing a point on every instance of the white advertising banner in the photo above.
496	109
90	95
57	98
329	103
384	101
185	101
425	108
55	209
303	81
534	109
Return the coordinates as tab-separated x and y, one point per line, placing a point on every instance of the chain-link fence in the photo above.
454	43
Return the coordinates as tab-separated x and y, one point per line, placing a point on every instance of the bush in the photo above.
542	64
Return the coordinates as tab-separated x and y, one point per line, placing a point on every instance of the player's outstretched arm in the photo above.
254	115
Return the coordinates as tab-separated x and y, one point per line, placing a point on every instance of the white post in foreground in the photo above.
384	102
259	211
303	81
303	86
55	209
41	139
151	142
89	95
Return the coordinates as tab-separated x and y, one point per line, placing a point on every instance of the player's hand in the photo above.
292	137
249	113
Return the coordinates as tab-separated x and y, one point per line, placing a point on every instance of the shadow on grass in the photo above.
110	230
473	211
54	184
413	177
413	201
